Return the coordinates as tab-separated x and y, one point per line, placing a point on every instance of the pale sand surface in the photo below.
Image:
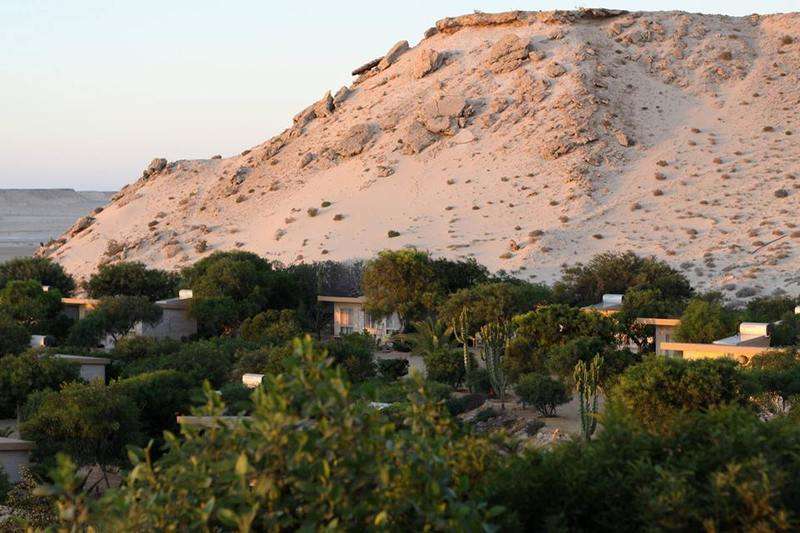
710	105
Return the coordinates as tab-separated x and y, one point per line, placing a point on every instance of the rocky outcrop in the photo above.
445	115
425	62
355	140
453	24
155	166
507	54
416	138
393	55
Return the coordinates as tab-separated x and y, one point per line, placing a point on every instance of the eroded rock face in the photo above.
393	55
81	225
356	140
417	138
324	108
444	115
507	54
554	70
156	165
425	62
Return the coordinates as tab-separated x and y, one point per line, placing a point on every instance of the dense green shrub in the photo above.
453	275
355	353
478	380
43	271
89	421
392	369
420	475
130	349
159	397
561	359
768	308
20	375
706	320
210	360
661	388
30	306
263	360
445	365
237	398
542	392
617	273
14	338
646	303
457	405
132	279
271	327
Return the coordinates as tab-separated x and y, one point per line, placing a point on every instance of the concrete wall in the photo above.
92	372
174	324
665	334
12	460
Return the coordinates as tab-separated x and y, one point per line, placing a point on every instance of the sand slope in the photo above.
527	140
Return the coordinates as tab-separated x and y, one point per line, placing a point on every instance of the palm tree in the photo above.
429	336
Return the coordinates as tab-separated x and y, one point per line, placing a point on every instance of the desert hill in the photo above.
527	140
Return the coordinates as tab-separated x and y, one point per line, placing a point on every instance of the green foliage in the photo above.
36	510
485	414
661	389
706	320
392	369
645	303
561	359
617	273
30	306
89	421
271	327
262	360
460	274
44	271
114	316
312	457
14	338
542	392
402	282
355	353
787	331
768	308
464	404
237	398
159	397
444	365
429	335
229	287
132	279
478	381
490	302
493	342
130	349
20	375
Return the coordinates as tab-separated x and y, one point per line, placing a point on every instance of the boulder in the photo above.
156	165
324	108
417	138
81	224
307	158
393	55
355	140
340	96
623	139
554	69
442	115
425	62
507	54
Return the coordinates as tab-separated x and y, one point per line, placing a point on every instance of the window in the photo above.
345	320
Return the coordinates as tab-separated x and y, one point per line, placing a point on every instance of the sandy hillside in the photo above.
526	140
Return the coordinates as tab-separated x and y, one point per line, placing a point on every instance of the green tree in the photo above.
490	302
229	287
355	353
661	389
312	457
706	320
32	307
542	392
769	308
115	317
14	338
39	269
132	279
617	273
402	282
89	421
21	375
459	274
645	303
272	327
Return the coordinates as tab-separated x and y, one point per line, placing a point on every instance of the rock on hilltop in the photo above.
525	139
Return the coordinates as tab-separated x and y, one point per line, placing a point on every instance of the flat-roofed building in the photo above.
350	316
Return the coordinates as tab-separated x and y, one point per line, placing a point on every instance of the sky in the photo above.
92	90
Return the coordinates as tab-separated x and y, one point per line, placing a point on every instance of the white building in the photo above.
351	316
91	368
14	454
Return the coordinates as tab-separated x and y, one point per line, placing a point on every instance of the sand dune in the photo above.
527	140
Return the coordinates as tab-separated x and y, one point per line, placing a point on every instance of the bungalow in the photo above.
351	316
664	332
91	368
14	454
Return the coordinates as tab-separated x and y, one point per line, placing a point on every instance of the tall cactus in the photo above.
587	383
493	338
460	327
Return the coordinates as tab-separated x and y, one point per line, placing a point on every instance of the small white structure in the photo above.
14	454
750	334
175	323
251	381
351	316
91	367
610	304
41	341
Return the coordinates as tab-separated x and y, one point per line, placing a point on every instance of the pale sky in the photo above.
91	90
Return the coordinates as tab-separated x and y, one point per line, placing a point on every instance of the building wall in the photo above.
665	334
353	318
174	324
92	372
11	461
702	354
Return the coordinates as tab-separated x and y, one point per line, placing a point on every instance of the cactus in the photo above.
494	339
587	380
460	327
